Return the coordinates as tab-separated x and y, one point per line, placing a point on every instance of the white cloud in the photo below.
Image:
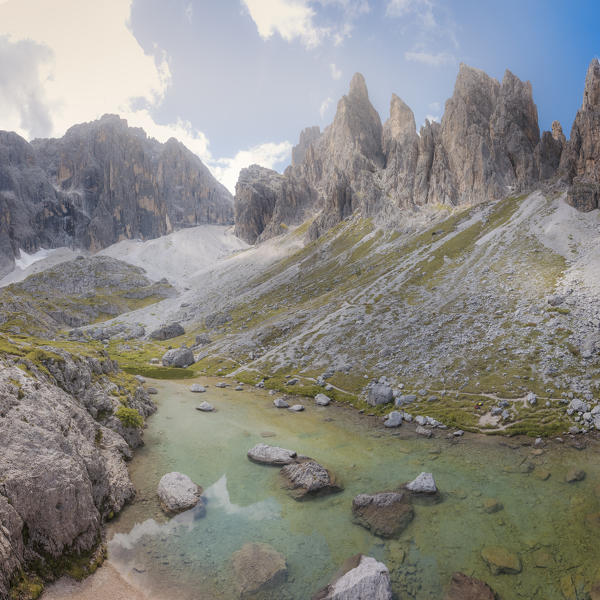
432	118
96	63
423	9
189	12
291	19
325	106
269	155
79	60
433	60
335	72
298	19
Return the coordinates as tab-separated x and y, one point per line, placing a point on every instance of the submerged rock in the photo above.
258	567
177	492
308	478
178	357
385	514
463	587
574	475
361	577
500	560
271	455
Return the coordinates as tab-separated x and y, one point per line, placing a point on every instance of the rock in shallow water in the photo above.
271	455
463	587
280	403
394	419
196	387
205	407
361	577
177	492
385	514
322	400
500	560
423	484
296	408
307	479
258	567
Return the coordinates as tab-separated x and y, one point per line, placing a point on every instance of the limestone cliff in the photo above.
100	183
487	145
580	163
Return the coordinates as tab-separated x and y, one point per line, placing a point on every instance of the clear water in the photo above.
190	557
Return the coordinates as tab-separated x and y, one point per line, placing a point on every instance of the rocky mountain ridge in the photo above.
487	146
100	183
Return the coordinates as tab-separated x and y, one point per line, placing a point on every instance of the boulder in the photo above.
500	560
307	479
491	505
380	393
258	567
205	407
296	408
196	387
322	400
361	577
574	475
463	587
177	492
394	419
178	357
385	514
280	403
271	455
203	339
423	484
166	332
423	431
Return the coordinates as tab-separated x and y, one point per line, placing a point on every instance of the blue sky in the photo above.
237	80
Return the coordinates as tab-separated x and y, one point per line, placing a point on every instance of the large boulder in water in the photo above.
307	479
257	567
166	332
271	455
177	492
178	357
385	514
463	587
361	577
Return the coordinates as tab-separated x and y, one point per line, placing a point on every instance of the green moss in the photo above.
129	417
26	587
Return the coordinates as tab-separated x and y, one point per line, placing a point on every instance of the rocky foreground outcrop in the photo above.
62	465
100	183
487	146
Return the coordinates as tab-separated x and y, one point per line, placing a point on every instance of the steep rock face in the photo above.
487	146
100	183
61	472
580	163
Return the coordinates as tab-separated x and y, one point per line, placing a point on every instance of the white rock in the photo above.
370	580
394	419
322	399
280	403
271	455
296	408
205	407
196	387
177	492
423	484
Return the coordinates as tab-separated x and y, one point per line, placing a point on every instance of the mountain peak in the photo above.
358	87
591	93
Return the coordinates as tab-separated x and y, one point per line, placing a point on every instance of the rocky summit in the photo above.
100	183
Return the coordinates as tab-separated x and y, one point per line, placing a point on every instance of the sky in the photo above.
237	80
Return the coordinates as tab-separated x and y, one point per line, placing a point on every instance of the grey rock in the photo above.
307	479
394	419
271	455
362	577
423	431
322	400
177	492
280	403
197	388
296	408
178	357
424	483
385	514
166	332
205	407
